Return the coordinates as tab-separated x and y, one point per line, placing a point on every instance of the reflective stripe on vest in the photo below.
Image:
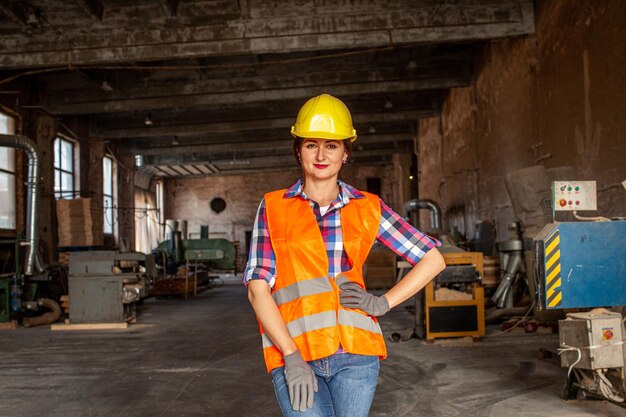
302	289
358	320
320	320
306	324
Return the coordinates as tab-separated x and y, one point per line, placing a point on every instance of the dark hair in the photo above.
297	145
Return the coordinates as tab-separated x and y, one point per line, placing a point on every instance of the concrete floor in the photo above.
202	357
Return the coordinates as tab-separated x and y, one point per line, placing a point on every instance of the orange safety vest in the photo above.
307	297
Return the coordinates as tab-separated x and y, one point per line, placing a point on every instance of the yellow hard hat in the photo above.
324	117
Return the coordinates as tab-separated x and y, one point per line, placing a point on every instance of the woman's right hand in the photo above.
301	381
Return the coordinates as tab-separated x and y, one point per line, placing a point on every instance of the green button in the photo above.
577	188
569	188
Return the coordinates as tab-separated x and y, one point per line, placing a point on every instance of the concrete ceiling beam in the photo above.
93	8
283	154
297	75
257	96
430	23
248	125
18	12
166	171
254	144
170	7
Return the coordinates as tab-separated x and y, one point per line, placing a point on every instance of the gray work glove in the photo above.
301	381
353	296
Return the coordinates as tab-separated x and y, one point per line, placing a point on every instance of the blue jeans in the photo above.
346	386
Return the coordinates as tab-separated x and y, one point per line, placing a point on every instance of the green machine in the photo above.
218	253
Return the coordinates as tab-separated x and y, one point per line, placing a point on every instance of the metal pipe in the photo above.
46	318
33	264
512	268
432	206
498	313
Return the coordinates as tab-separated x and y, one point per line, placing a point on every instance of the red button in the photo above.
577	202
562	202
570	203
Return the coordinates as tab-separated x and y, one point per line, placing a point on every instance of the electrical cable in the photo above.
571	349
516	324
593	219
604	384
606	387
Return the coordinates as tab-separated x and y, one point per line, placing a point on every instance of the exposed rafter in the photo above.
247	125
277	159
21	13
170	7
264	145
423	23
93	8
221	82
259	96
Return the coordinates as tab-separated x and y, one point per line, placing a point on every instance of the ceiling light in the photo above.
411	66
388	104
372	129
148	120
175	141
105	86
139	161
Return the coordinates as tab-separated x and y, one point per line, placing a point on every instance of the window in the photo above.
7	176
109	194
64	168
147	227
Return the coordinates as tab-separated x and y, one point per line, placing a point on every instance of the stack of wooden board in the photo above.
79	222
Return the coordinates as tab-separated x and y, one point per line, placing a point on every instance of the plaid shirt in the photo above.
394	232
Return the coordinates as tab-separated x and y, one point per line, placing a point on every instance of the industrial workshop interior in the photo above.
150	150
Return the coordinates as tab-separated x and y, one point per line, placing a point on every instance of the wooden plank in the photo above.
89	326
9	325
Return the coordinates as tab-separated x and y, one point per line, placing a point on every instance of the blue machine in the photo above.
581	265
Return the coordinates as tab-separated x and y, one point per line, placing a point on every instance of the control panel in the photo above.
574	195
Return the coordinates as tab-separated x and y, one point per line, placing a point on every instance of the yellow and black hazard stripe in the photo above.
553	270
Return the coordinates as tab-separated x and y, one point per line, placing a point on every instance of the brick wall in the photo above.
555	99
189	198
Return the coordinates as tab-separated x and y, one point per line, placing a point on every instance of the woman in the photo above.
321	339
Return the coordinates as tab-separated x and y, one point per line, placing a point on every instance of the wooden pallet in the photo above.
174	286
88	326
9	325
